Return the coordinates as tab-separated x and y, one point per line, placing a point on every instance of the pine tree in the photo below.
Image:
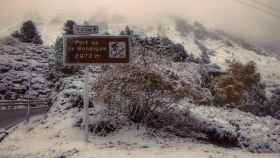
127	31
69	27
58	47
28	33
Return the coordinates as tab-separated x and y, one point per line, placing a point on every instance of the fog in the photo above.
227	15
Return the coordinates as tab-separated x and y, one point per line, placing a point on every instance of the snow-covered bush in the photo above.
232	127
77	101
58	47
106	121
146	97
200	31
147	88
127	31
16	34
256	101
208	73
10	41
204	59
69	27
136	91
181	54
183	26
165	48
28	33
274	104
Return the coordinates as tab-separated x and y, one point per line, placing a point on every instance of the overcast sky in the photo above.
227	15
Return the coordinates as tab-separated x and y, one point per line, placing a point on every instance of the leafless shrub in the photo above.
105	121
146	91
274	103
136	92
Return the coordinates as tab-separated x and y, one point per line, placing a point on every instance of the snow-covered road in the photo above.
12	116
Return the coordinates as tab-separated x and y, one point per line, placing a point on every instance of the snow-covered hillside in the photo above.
59	134
220	48
196	39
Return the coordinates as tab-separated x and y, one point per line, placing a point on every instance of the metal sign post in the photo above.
92	49
86	101
28	99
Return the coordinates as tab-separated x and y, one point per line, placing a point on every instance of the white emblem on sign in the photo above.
117	50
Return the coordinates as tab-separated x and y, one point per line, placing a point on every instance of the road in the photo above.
12	116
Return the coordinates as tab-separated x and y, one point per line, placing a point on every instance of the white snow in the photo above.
56	137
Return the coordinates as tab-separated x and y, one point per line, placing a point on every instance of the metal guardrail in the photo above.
16	103
28	104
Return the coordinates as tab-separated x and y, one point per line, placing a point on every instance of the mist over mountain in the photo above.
228	16
273	46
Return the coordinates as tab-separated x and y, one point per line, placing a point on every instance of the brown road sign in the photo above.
85	49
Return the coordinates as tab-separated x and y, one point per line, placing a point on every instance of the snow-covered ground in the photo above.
57	138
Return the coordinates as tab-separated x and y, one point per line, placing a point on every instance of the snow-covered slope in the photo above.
220	48
56	136
20	65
